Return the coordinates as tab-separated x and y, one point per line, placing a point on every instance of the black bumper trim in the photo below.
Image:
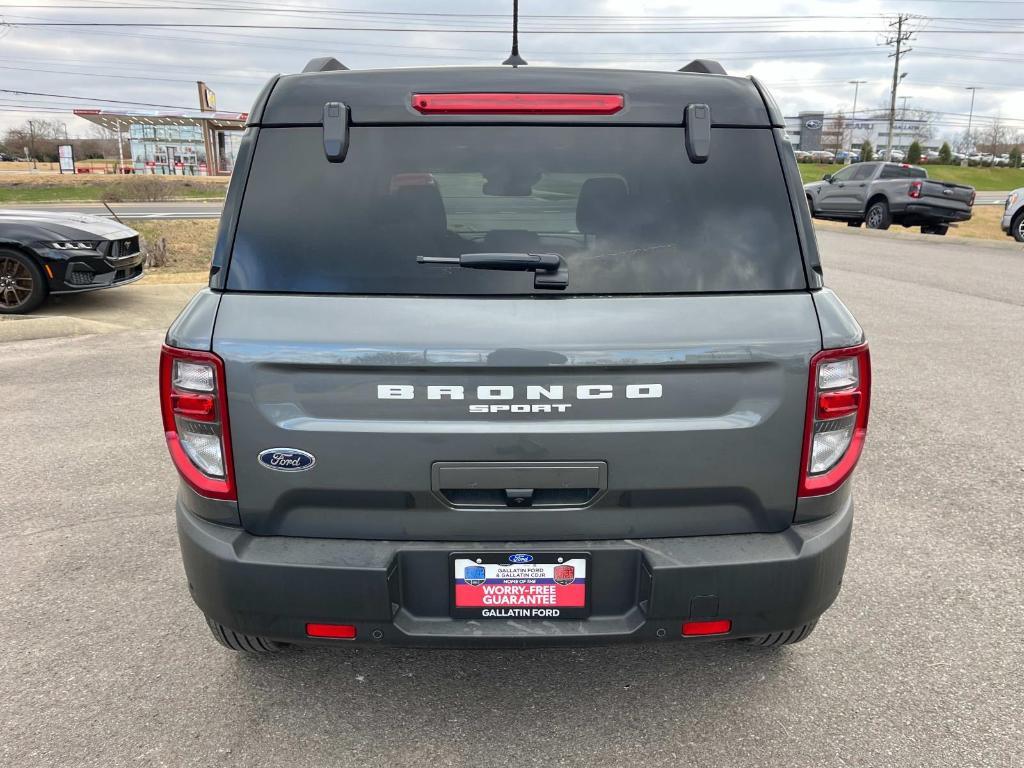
397	592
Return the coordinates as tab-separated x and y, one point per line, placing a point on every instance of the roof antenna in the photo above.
514	58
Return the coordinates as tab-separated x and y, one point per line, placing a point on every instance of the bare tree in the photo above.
923	123
834	133
996	136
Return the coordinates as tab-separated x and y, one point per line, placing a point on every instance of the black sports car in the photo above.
44	253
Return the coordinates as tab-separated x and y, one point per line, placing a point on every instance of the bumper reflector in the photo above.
714	627
334	631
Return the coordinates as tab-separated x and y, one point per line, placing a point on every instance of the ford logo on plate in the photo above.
520	558
287	459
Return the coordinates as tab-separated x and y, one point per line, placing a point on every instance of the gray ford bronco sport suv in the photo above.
513	357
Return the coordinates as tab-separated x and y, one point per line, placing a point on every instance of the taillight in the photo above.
973	195
915	189
838	400
517	103
193	402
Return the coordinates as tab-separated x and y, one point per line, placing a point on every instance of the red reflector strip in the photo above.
517	103
833	405
335	631
197	407
716	627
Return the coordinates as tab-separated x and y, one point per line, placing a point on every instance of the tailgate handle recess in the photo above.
503	485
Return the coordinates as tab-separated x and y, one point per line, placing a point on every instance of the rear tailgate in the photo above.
690	410
945	194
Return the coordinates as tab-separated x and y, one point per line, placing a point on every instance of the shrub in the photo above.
146	189
1015	157
867	152
914	152
945	154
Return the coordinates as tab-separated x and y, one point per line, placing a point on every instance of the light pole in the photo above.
853	115
970	118
903	113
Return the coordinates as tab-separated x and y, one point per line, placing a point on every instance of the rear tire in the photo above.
236	641
22	286
1017	227
878	215
777	639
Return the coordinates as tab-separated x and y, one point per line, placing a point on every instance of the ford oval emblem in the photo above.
520	558
287	459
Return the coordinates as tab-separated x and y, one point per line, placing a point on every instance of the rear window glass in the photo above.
902	172
623	206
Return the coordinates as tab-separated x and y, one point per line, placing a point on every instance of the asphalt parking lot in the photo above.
104	661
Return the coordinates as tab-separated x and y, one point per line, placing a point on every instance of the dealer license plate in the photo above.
520	585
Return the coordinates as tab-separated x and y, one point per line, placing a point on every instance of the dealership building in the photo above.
810	131
200	142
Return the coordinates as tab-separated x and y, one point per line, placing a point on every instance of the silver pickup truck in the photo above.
882	194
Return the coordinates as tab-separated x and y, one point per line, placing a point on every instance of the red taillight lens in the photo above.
838	400
198	407
517	103
195	416
973	195
713	627
915	189
334	631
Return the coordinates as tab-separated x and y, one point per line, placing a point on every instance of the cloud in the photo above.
804	71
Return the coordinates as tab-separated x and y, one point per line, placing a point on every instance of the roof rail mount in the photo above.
704	67
324	64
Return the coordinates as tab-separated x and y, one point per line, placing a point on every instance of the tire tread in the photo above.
785	637
238	641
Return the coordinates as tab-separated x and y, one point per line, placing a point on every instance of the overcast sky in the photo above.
958	43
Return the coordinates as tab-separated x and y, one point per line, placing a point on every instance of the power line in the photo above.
94	99
323	28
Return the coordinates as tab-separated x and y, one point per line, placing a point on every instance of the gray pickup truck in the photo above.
882	194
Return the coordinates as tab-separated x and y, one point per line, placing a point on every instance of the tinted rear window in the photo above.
623	205
902	172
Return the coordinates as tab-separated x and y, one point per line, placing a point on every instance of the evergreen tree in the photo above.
914	153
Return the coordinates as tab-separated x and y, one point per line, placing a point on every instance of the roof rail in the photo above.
704	67
324	64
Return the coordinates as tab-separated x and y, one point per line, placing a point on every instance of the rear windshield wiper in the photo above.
549	270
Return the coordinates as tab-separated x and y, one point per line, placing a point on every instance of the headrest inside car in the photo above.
601	205
420	206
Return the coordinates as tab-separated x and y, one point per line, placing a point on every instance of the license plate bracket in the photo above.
520	585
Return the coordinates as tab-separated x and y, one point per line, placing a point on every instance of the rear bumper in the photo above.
935	213
398	592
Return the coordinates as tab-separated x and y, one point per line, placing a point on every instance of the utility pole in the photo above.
32	141
853	115
970	118
898	40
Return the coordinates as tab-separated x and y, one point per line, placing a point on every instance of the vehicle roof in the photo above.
384	96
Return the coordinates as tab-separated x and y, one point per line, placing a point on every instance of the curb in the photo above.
977	242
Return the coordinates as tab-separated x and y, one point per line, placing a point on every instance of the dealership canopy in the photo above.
180	142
